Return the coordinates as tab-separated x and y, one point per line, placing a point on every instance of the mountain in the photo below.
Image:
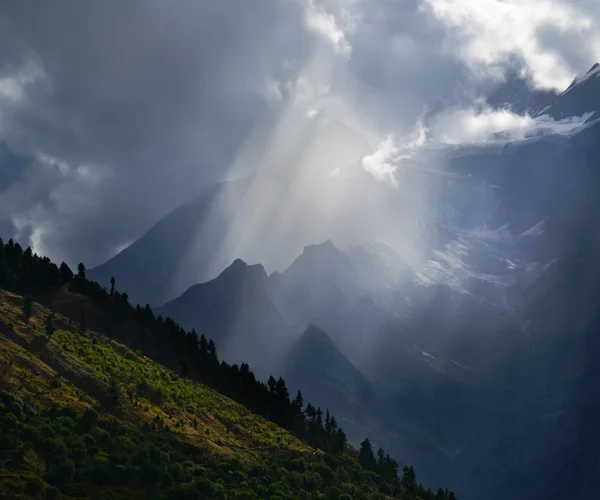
236	311
84	415
517	95
329	378
474	324
580	98
188	238
277	202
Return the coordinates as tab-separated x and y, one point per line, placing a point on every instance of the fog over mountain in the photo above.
393	204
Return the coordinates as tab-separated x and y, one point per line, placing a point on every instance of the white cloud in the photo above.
485	33
474	126
325	24
382	162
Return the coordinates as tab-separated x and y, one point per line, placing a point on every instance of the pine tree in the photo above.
409	479
327	422
112	286
298	403
65	273
27	307
310	412
50	325
365	455
281	390
340	442
212	351
272	384
334	425
203	345
319	418
81	271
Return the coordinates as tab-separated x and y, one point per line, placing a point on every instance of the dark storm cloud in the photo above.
154	96
115	112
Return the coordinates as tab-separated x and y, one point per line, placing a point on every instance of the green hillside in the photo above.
83	415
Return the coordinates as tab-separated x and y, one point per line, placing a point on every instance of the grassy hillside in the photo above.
51	385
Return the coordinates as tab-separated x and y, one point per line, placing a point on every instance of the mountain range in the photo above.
457	323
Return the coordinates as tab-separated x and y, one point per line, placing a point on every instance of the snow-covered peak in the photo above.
593	72
581	97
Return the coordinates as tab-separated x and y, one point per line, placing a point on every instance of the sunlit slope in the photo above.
71	373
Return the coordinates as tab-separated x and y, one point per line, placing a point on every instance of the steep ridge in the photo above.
190	237
329	378
581	97
235	310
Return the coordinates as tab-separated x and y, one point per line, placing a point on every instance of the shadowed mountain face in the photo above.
314	362
235	311
580	97
180	250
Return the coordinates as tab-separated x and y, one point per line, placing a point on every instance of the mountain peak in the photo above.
240	271
326	246
322	258
580	98
314	334
594	70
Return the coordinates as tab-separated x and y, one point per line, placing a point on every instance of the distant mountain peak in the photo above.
580	98
594	70
321	258
240	271
326	246
315	334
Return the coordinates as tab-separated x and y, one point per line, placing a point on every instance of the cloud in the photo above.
114	115
477	125
389	155
486	33
326	25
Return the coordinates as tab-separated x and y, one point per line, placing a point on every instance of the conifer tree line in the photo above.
193	356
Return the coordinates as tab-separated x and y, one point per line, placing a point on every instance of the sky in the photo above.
114	113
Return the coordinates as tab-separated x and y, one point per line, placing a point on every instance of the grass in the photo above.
71	369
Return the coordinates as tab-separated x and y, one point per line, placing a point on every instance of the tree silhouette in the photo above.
298	402
365	455
27	307
50	325
409	479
